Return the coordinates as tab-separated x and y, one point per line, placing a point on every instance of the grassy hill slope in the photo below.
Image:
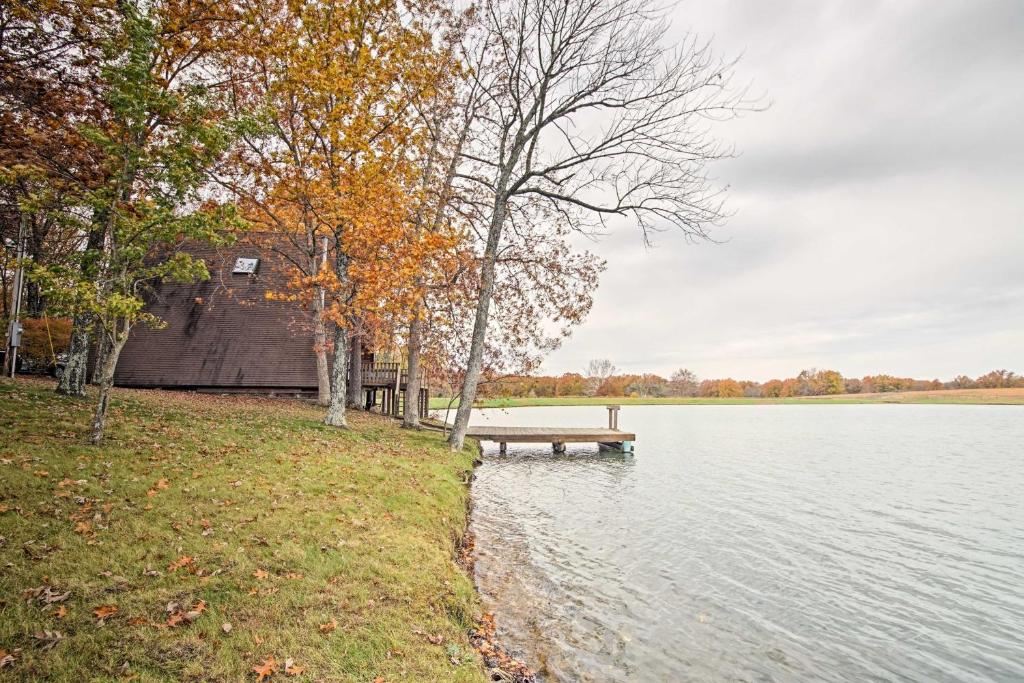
209	534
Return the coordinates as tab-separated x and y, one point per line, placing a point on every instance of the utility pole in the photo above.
14	329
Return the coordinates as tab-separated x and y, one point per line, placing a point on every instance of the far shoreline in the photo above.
1006	396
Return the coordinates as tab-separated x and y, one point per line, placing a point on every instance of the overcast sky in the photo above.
878	204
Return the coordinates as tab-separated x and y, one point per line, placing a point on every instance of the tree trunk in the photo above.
317	260
355	371
336	407
72	380
411	416
106	378
102	351
476	348
323	373
35	305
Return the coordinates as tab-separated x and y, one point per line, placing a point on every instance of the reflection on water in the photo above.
762	543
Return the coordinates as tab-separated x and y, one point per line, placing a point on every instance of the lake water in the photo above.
761	543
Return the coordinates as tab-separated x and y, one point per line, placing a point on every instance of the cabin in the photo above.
225	335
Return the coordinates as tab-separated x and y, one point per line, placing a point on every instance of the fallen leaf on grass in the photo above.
61	612
291	669
265	670
104	612
226	627
293	575
196	611
83	528
48	639
260	574
6	659
329	626
435	639
179	616
182	562
41	473
46	595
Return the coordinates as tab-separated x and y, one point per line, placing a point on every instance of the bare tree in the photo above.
683	383
598	370
592	112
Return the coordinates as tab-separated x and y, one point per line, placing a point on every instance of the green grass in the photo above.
290	524
956	396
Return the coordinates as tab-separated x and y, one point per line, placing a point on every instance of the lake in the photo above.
760	543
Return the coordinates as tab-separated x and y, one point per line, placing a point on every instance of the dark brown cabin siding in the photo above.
223	333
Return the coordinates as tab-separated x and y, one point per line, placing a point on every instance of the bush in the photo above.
36	341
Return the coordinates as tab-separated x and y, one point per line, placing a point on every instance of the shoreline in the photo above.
498	661
1014	396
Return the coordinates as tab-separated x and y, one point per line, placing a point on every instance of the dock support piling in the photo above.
613	417
558	447
503	448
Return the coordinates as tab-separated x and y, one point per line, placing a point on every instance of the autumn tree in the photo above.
720	388
331	173
595	115
160	134
999	379
963	382
50	57
648	385
544	288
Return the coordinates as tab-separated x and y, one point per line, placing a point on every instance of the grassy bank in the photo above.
210	534
952	396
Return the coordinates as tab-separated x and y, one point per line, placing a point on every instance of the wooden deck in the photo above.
556	436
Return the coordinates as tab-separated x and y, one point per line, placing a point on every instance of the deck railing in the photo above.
386	374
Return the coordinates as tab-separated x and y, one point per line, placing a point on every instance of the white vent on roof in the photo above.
246	266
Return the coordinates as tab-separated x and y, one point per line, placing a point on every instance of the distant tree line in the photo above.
602	379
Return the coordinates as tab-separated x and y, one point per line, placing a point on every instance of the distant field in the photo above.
951	396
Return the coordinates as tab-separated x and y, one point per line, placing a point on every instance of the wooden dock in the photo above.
613	439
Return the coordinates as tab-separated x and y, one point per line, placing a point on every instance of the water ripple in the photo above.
762	543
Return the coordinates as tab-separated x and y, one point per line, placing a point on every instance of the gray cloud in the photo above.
879	203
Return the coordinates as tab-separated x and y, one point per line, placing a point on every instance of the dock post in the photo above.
558	447
613	417
503	448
